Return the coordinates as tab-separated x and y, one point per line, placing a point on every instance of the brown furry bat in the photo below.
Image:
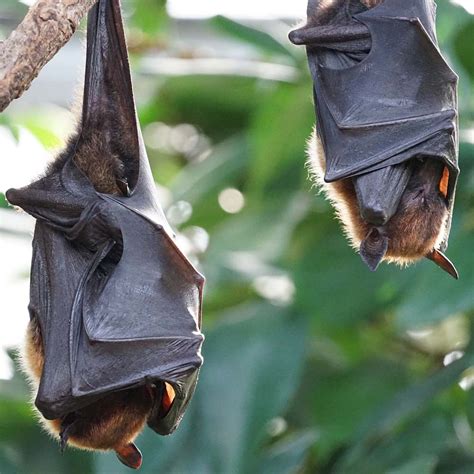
416	229
113	422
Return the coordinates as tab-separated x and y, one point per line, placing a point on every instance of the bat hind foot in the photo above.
129	455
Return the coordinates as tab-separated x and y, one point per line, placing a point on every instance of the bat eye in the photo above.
444	182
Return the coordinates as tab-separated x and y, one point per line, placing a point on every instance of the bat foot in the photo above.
130	455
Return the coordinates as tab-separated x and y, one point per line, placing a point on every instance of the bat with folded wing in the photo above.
385	148
114	339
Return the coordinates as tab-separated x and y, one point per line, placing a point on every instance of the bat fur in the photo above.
418	225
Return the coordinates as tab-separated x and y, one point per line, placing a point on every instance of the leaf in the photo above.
422	465
257	38
341	399
197	180
405	404
150	17
278	135
288	455
246	243
434	296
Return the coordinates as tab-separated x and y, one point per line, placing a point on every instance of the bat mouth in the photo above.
163	396
379	192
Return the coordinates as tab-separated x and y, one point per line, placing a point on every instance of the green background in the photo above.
312	364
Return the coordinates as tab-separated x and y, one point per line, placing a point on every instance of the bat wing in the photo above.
119	305
395	102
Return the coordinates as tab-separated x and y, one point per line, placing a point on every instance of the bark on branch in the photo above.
47	27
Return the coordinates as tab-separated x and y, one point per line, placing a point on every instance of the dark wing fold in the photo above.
382	105
119	305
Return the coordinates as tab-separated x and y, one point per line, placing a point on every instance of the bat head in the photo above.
397	214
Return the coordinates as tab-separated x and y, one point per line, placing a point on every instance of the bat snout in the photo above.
379	192
375	215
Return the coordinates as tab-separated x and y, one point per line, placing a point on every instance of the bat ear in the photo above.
373	249
130	455
443	262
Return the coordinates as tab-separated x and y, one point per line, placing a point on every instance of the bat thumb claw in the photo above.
63	441
297	37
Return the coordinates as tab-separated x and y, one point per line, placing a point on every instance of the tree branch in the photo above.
46	28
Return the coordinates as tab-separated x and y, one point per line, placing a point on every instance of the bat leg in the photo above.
130	455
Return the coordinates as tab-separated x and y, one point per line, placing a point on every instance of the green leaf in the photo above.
464	47
199	179
278	136
404	405
257	38
288	455
422	465
150	17
434	295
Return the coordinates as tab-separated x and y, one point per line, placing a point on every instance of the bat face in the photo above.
415	228
386	108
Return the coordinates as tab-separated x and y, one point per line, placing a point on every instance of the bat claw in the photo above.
66	426
130	455
443	262
64	438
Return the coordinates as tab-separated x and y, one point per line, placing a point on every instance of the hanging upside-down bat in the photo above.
114	338
385	148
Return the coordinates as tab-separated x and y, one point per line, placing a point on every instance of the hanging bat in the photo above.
114	338
385	148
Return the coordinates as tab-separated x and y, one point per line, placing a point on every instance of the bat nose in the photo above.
375	215
379	192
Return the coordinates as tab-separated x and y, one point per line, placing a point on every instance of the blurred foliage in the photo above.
312	364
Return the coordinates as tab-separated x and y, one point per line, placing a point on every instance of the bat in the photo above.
385	146
114	339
